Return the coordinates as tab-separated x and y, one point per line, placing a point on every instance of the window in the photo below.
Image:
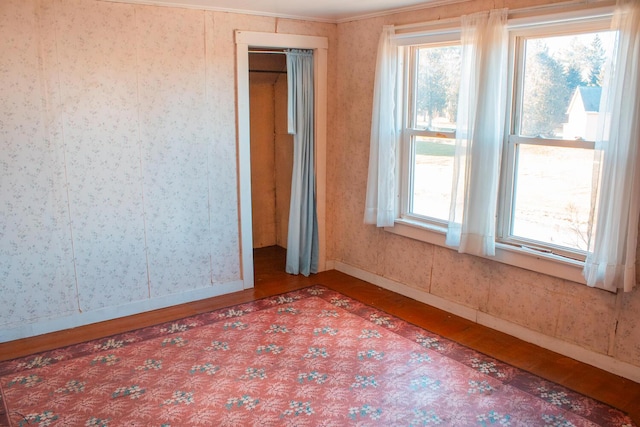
433	77
548	158
548	169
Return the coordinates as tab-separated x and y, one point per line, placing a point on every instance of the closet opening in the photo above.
269	44
271	154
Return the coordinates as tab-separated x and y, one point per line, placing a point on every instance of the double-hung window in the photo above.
548	162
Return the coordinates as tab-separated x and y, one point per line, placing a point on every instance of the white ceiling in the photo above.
315	10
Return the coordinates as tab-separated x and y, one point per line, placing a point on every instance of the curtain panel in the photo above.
479	133
381	181
611	261
302	239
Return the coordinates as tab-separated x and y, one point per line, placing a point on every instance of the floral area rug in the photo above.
312	357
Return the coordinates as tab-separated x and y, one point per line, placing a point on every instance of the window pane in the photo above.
436	92
432	176
562	85
553	195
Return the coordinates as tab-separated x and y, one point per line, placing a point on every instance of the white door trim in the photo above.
319	45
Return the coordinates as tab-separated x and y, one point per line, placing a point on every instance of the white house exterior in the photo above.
583	114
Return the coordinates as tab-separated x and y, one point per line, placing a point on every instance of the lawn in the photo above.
431	148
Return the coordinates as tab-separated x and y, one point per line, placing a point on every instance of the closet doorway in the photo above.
271	148
256	42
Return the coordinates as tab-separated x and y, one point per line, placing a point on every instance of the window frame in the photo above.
521	253
513	140
406	97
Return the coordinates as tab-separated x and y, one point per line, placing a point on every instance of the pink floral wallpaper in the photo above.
98	112
118	156
36	259
174	138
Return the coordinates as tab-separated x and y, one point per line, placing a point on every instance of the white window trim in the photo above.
427	231
528	259
409	131
595	20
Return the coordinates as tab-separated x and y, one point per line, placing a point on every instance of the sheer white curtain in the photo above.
302	240
380	201
610	263
480	129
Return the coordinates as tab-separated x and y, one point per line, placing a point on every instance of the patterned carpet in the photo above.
307	358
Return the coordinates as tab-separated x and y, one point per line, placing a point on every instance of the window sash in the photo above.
411	131
506	197
506	207
407	173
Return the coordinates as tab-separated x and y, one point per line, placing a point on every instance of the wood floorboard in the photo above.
270	279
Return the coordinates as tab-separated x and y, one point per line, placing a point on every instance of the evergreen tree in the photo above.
573	77
595	58
437	85
546	95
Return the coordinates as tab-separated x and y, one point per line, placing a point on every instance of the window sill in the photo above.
549	264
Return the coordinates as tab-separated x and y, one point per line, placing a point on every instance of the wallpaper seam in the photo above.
611	350
140	159
64	153
208	142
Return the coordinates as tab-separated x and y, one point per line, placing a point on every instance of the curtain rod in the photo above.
268	51
268	71
515	13
427	23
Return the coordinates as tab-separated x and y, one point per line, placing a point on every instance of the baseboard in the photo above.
110	313
571	350
329	265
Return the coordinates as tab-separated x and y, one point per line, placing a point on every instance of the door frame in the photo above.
319	45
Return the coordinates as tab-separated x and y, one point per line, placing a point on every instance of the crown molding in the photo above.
331	20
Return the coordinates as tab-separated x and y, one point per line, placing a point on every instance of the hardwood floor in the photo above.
270	279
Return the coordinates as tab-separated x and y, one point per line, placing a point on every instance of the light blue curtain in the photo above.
302	240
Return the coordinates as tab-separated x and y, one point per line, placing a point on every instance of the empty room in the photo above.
266	213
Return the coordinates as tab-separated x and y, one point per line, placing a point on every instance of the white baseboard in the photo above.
109	313
329	265
571	350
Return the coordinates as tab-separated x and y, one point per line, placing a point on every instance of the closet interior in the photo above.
271	148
